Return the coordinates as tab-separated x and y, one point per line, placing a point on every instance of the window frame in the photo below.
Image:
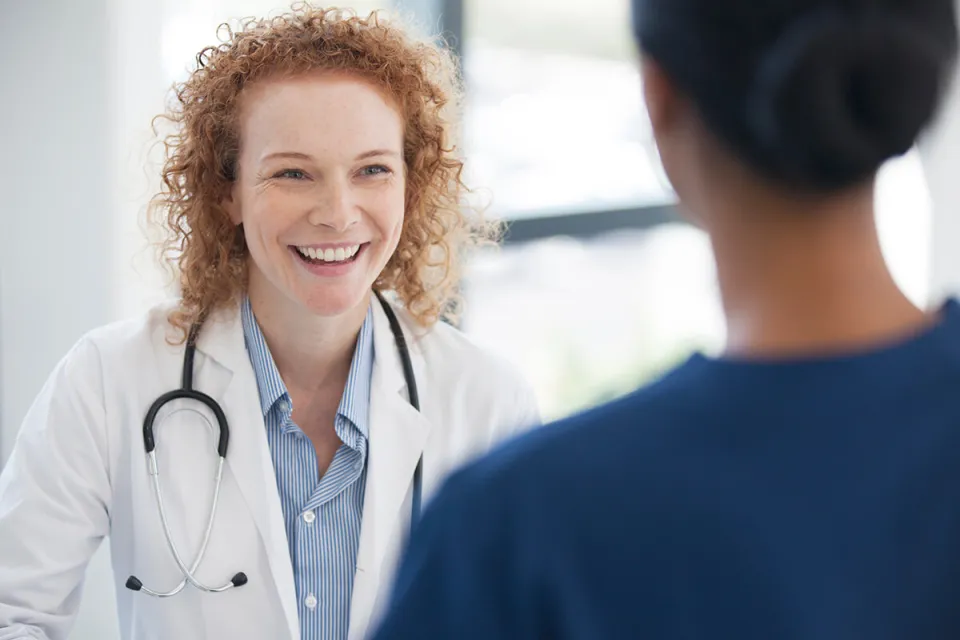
448	18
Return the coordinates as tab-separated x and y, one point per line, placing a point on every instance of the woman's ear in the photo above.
231	205
662	100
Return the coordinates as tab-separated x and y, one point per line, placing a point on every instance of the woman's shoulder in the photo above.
132	336
451	359
109	352
445	344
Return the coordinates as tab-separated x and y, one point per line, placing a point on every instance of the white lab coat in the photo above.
78	473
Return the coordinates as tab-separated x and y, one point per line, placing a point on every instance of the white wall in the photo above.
140	90
76	83
55	176
56	274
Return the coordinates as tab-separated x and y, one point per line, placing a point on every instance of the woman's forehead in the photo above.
320	110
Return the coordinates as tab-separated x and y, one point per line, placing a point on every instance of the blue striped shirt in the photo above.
322	515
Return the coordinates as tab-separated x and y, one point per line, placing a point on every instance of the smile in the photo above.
324	256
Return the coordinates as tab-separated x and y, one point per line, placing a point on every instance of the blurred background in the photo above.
597	287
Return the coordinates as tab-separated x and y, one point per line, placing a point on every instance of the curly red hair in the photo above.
209	251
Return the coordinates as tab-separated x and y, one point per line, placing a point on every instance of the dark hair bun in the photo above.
840	93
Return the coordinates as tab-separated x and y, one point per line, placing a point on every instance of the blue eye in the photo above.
292	174
374	170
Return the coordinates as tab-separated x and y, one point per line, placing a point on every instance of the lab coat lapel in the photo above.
398	433
248	455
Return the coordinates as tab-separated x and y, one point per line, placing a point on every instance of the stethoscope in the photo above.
186	391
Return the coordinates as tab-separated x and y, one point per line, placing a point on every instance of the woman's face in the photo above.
319	189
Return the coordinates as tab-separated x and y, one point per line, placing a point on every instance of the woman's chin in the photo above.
333	303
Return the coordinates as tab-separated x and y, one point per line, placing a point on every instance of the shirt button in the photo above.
311	601
309	517
284	406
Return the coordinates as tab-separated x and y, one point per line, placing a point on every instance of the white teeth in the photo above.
329	255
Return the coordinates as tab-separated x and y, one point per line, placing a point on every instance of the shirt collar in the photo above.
269	382
355	401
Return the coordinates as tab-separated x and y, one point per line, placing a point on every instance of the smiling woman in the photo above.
312	166
320	172
251	82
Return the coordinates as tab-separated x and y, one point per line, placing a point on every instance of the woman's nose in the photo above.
336	209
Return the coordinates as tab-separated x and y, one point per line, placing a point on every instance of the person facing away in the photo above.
312	164
805	484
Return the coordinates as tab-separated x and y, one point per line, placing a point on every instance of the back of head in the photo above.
814	94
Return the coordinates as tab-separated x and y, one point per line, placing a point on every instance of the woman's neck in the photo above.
310	352
808	281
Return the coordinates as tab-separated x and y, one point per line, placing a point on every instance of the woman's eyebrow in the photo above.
377	152
295	155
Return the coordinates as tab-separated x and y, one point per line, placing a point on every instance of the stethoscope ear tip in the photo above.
239	580
134	584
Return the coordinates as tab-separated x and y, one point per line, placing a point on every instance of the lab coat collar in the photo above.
221	339
398	434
